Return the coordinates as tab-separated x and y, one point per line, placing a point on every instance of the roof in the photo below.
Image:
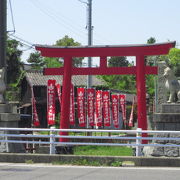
129	97
105	51
104	46
36	78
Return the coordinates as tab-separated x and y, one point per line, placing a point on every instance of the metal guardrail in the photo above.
51	139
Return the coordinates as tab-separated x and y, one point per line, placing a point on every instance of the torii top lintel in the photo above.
103	52
108	50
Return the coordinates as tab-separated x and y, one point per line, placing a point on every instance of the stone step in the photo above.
166	117
170	108
5	108
9	117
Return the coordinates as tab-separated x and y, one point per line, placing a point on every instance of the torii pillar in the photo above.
140	71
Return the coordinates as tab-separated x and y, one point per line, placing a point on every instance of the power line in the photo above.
59	18
24	42
56	19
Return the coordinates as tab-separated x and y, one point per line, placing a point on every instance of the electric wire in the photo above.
25	41
59	15
28	47
97	34
56	19
22	41
67	22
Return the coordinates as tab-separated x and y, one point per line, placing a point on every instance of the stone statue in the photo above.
172	85
2	85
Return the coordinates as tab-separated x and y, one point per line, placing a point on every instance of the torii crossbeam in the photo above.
140	70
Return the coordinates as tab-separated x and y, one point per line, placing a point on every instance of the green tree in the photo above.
120	82
52	62
39	62
151	79
151	60
14	62
174	57
36	60
67	41
174	60
14	70
118	62
151	40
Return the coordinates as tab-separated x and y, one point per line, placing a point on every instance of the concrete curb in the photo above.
44	158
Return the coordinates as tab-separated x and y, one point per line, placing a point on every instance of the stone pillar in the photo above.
9	118
161	90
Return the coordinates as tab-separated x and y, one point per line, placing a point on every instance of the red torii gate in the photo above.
140	70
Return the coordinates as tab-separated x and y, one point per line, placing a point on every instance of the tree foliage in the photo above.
67	41
118	62
151	40
120	82
174	60
14	71
39	62
174	57
36	60
13	61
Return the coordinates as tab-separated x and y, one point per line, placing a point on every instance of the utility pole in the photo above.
89	28
7	118
3	17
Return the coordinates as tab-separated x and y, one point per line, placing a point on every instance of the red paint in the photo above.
141	92
65	108
100	71
98	51
140	51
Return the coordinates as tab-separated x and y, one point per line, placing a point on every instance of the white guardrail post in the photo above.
52	141
138	142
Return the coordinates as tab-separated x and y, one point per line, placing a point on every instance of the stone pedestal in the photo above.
9	118
167	119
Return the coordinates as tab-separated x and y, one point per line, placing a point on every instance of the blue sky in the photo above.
114	21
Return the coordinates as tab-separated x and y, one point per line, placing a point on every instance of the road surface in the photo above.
9	171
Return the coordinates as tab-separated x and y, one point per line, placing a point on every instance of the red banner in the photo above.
98	108
81	107
72	111
131	115
115	110
90	106
51	102
106	107
34	111
122	98
58	89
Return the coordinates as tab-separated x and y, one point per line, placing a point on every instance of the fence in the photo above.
77	137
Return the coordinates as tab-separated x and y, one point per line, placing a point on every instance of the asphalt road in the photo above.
10	171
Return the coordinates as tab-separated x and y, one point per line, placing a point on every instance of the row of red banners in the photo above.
96	107
101	108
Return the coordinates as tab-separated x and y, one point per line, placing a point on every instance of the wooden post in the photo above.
141	93
65	108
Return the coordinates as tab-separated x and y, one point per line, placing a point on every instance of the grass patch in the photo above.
128	163
79	162
85	162
116	163
103	151
30	161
